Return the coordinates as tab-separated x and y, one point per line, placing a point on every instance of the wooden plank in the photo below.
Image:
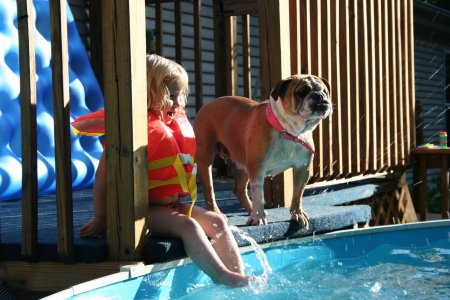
403	9
178	32
314	46
422	195
126	127
294	28
338	164
247	75
61	112
315	57
159	35
399	83
392	57
326	40
371	91
52	277
198	54
220	64
379	88
274	66
95	31
410	69
344	96
29	129
305	37
386	82
239	7
356	76
231	55
366	134
444	187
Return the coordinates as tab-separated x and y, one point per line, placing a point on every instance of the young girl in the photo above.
171	148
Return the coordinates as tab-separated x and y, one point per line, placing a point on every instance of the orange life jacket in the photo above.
171	150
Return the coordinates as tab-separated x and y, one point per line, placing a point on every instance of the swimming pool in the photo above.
398	261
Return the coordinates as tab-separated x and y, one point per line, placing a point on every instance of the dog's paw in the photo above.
256	220
301	218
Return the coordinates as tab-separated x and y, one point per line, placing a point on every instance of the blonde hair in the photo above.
162	72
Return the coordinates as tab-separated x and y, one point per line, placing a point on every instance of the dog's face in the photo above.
305	99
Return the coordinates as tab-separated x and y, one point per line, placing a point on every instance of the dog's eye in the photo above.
302	94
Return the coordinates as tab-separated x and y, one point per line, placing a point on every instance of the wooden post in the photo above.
29	131
219	49
198	54
231	55
95	31
126	127
61	112
275	65
246	56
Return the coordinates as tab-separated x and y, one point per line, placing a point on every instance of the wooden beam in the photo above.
159	37
327	124
219	50
198	54
126	127
246	56
386	82
410	69
95	31
315	62
29	132
392	70
52	277
364	99
61	112
240	7
178	32
344	96
379	87
275	65
294	17
371	91
231	45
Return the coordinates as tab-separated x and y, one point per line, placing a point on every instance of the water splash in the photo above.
260	255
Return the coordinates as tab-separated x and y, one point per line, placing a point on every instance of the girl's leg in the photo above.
97	225
167	222
216	228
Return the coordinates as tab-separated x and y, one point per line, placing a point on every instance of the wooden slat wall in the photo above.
365	50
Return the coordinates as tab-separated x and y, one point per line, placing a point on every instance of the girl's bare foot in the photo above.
94	228
234	279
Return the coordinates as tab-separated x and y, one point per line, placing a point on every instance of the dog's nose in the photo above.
319	102
318	96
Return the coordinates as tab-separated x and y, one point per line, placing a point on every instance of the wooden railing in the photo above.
364	48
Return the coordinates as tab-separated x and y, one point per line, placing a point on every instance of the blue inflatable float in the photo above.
85	97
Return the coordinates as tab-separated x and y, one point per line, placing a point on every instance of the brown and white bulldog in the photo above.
262	139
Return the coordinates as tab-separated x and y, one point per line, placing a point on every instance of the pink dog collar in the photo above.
276	124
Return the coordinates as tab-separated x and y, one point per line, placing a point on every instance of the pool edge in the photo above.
133	271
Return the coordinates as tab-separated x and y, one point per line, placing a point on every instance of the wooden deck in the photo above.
94	250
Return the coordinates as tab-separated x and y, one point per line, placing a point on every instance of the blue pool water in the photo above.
411	263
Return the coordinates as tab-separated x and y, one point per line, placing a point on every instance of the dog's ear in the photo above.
276	90
280	89
325	82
